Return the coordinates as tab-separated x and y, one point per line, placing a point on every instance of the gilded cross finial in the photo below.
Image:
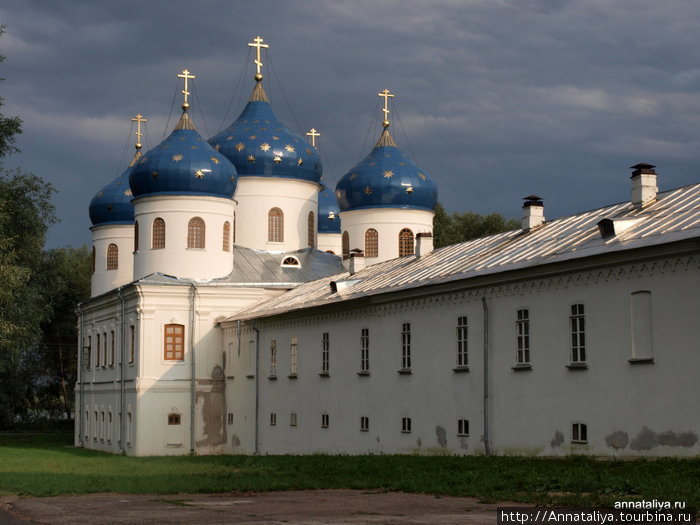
313	134
186	75
139	118
385	93
258	43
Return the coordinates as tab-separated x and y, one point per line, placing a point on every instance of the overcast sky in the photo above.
495	99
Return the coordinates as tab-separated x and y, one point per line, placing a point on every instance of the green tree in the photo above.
9	126
460	227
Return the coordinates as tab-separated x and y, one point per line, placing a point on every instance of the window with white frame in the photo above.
406	346
324	420
523	336
325	350
293	419
462	349
462	427
364	350
406	424
578	334
364	424
293	356
273	358
579	433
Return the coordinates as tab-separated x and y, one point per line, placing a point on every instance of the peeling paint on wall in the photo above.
464	443
617	439
212	400
678	439
419	442
557	440
441	436
235	441
645	440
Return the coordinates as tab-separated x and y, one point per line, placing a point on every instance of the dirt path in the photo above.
309	507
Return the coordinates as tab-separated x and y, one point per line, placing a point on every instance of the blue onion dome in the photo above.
112	204
183	164
386	178
259	145
328	218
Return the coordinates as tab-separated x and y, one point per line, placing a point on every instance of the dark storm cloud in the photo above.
496	99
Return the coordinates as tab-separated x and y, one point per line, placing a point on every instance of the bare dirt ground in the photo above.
309	507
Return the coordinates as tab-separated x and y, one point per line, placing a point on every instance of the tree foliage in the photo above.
460	227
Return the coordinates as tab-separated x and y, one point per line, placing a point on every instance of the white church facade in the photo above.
219	322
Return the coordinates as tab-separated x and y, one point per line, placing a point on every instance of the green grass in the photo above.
46	465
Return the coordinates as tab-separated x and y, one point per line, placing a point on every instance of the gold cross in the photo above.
313	134
186	75
387	96
258	43
139	118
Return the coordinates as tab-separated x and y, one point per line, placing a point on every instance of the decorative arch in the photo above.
406	246
112	257
196	230
346	245
312	229
227	237
371	243
158	237
275	225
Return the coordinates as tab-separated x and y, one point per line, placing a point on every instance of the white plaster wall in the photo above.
176	259
388	222
256	196
122	235
330	242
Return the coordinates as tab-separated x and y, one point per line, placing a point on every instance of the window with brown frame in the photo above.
405	242
173	419
371	243
195	233
227	237
312	229
346	245
136	236
275	225
93	259
112	257
158	236
174	347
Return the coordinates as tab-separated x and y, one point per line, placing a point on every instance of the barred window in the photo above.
462	355
523	337
371	243
174	342
364	350
227	237
195	233
112	257
406	242
158	237
325	348
312	229
406	346
578	334
275	225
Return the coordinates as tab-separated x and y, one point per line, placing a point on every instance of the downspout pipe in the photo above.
193	367
122	373
81	390
487	446
257	389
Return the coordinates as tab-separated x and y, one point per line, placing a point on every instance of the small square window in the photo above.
579	433
324	420
406	425
173	419
364	424
462	427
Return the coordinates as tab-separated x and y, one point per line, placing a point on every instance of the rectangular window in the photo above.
579	433
293	356
104	349
102	425
364	424
273	418
111	349
293	419
364	350
406	425
109	427
325	347
273	358
324	420
88	357
173	419
230	418
523	334
462	427
132	344
406	346
462	341
97	353
578	334
174	342
642	322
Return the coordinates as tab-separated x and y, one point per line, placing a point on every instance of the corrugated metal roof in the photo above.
674	216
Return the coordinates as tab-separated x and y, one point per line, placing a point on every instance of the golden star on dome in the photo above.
372	163
143	160
402	163
233	178
368	190
277	159
267	122
99	195
165	147
182	138
195	147
289	148
252	137
230	137
199	174
127	193
265	129
215	160
421	175
300	161
265	146
353	176
409	189
273	137
217	147
154	174
177	157
240	146
308	151
388	174
251	158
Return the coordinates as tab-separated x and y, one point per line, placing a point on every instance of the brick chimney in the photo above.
644	187
533	213
424	244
